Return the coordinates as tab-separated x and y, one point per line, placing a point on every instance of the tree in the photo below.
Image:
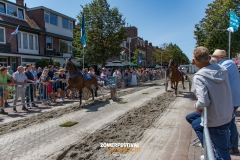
135	56
41	63
105	32
170	51
211	31
56	63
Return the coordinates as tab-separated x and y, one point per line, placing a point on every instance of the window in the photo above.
31	42
25	41
20	14
36	43
49	43
11	10
65	23
2	8
54	19
51	18
65	47
71	25
46	17
2	35
19	35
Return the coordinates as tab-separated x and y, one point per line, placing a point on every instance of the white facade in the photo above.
58	29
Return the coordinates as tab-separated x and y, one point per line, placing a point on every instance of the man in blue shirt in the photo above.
234	80
29	88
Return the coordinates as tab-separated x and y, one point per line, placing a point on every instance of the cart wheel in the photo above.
190	86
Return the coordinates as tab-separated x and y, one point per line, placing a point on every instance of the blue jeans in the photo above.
29	93
194	119
220	139
233	132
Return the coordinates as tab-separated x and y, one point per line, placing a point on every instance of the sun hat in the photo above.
219	53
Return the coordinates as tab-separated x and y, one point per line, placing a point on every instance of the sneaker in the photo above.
202	157
29	107
60	100
14	110
6	104
3	112
233	150
24	108
34	105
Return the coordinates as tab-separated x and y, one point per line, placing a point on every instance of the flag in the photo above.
83	33
234	22
139	60
16	31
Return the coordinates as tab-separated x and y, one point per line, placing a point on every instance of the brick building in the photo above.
42	34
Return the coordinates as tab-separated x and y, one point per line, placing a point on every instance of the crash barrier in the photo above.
208	149
48	92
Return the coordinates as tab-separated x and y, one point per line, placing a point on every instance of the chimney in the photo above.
150	44
146	43
20	2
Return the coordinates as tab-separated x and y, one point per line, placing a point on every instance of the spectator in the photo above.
63	83
209	80
39	72
43	86
50	71
30	87
20	81
5	80
9	71
56	85
234	81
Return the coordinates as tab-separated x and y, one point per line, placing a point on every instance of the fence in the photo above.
208	149
45	91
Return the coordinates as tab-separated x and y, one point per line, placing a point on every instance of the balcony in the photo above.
5	48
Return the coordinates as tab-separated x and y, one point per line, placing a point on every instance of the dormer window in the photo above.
11	10
20	13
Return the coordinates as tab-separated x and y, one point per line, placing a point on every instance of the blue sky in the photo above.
158	21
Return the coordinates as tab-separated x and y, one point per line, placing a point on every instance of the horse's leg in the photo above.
80	96
176	87
91	90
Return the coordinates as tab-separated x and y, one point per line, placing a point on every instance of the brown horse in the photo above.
76	80
175	76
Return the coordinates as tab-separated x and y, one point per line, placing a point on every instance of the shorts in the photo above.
2	92
63	86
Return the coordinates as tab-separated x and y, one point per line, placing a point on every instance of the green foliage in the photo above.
105	32
135	56
211	31
56	63
41	63
170	51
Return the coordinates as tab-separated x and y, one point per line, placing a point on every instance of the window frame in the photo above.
4	35
11	14
46	44
69	46
23	17
48	17
29	41
4	5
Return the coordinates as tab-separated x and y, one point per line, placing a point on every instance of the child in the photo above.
49	89
43	86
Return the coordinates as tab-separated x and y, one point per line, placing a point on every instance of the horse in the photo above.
175	76
76	80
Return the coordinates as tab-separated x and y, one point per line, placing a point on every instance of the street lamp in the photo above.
129	41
